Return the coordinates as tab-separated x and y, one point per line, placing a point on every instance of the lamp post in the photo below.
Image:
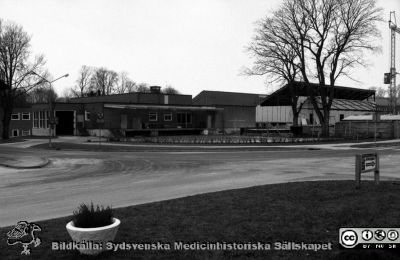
51	105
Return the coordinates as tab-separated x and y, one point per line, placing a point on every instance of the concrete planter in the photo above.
89	238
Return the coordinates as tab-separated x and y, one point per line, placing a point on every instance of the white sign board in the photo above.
368	162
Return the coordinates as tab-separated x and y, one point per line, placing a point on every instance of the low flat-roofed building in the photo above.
237	110
129	114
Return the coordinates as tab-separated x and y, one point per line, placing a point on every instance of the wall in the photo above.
98	132
139	118
366	128
23	127
44	131
232	118
284	114
274	114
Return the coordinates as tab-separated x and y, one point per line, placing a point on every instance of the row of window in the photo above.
15	132
153	116
23	115
182	118
41	119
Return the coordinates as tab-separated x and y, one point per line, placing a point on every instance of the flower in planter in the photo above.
91	217
93	226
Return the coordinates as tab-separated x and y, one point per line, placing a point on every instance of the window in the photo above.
341	117
87	115
15	116
47	119
26	116
15	132
184	118
168	117
26	132
41	119
153	116
35	119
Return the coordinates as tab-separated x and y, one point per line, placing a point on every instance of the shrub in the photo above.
89	217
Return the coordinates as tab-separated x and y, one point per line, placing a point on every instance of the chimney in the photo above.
155	89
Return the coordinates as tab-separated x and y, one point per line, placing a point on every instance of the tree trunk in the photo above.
325	124
295	118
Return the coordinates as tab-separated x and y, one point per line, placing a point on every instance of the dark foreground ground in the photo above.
308	212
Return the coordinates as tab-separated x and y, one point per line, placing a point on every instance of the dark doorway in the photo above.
65	124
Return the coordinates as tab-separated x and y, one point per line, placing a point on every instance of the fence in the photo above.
367	129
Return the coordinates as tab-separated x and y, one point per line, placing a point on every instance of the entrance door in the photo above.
65	124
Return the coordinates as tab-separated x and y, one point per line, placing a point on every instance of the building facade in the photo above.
236	110
130	114
276	109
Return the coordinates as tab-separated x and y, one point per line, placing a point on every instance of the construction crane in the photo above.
390	78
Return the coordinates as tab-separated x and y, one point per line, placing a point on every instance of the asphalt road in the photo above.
129	178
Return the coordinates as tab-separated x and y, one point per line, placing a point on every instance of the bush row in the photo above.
229	140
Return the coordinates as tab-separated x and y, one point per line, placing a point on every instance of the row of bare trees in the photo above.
385	92
103	81
315	41
24	79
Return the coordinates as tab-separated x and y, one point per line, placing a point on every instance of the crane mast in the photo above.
392	75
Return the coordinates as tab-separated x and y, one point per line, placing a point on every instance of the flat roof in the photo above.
177	107
281	97
225	98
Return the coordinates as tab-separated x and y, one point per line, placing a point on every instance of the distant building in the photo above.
130	114
276	108
237	110
383	105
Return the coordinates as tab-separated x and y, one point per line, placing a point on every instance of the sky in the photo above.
192	45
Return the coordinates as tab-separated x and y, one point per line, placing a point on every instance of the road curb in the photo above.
43	164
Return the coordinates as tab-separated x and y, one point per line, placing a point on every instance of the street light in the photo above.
51	105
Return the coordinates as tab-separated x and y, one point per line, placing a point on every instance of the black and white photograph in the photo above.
200	129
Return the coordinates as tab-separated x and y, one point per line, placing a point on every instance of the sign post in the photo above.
367	162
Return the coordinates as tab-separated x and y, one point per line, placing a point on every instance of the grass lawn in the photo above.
299	212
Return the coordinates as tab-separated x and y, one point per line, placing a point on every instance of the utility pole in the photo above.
390	78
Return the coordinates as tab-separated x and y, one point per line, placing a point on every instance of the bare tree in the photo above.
143	88
17	75
125	84
66	95
170	90
121	85
380	91
82	86
42	95
330	38
276	58
105	81
130	86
